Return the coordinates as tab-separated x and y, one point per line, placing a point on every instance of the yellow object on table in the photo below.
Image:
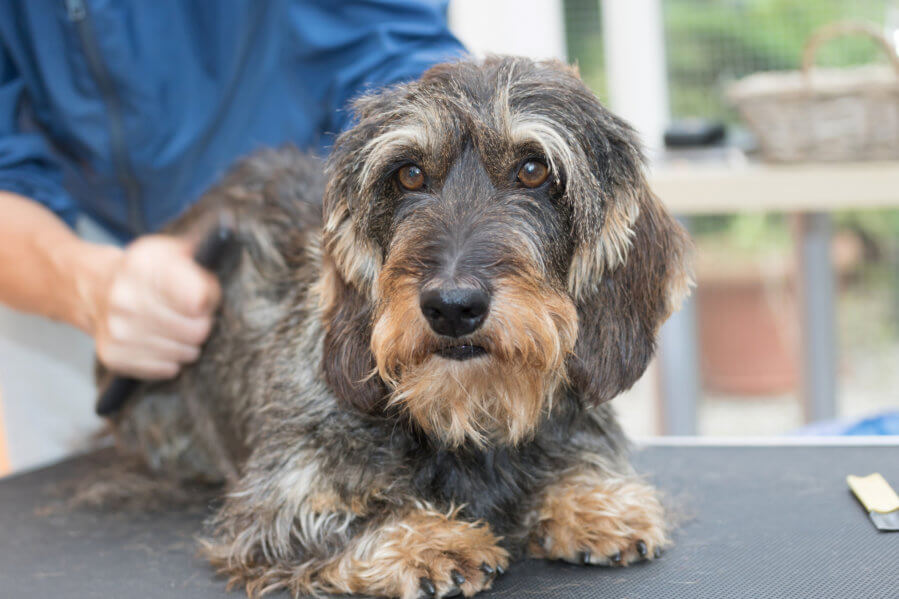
881	501
874	492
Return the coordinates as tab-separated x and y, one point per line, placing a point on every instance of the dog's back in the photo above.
197	425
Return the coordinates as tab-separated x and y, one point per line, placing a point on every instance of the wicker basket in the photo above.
814	115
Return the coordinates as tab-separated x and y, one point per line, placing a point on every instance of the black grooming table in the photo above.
758	522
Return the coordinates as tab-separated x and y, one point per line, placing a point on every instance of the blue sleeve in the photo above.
366	44
27	166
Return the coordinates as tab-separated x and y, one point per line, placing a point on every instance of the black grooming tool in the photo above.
210	254
693	133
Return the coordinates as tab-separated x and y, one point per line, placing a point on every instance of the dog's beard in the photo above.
500	394
477	400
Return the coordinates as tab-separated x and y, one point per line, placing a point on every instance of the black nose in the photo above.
454	312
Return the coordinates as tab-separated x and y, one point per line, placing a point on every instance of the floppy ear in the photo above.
621	311
630	266
347	361
346	203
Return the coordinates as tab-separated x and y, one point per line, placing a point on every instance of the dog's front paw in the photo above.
586	519
423	554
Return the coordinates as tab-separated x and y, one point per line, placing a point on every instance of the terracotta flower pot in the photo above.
748	319
748	332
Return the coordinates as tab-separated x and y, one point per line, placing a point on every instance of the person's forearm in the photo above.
46	269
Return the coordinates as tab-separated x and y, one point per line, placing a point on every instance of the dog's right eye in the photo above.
411	177
533	173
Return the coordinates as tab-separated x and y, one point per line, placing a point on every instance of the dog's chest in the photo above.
493	484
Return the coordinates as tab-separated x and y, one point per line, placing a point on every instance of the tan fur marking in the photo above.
609	250
325	288
354	254
681	282
392	560
590	512
329	501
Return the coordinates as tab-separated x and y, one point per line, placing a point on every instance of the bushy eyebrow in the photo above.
390	146
534	129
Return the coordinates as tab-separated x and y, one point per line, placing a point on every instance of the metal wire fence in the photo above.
710	43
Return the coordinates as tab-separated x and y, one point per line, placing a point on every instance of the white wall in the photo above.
47	389
532	28
634	42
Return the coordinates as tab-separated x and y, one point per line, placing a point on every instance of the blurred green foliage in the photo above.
583	34
710	43
745	232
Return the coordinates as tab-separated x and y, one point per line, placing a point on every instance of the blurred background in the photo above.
792	328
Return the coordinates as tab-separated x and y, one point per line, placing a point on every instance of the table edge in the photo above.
797	441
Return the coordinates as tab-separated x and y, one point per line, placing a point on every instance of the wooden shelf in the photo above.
719	188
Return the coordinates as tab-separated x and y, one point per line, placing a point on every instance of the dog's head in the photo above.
490	239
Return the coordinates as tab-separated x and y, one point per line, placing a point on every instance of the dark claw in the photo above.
457	577
486	569
616	559
500	570
427	586
585	557
641	548
657	553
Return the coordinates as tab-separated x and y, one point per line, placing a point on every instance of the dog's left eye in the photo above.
533	173
411	177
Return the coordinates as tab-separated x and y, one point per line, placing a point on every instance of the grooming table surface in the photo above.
769	521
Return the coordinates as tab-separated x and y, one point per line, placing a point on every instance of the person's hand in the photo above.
154	309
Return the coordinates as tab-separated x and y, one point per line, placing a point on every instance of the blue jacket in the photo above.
128	109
